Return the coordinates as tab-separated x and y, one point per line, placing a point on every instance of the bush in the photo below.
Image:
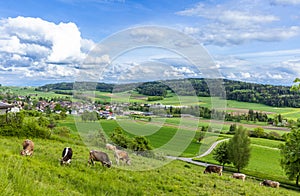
118	137
62	131
274	136
31	128
155	98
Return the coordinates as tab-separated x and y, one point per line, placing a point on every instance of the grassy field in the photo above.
159	132
264	161
42	175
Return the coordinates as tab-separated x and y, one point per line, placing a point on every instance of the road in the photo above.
190	160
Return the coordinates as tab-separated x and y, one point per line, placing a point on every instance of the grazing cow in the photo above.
66	156
101	157
122	155
110	147
239	176
214	169
28	146
270	183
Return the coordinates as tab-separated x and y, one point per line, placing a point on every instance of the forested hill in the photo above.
277	96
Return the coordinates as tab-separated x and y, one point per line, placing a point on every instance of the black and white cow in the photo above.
66	156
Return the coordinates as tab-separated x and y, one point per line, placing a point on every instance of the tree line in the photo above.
272	95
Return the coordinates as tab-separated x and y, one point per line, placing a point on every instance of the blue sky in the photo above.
249	40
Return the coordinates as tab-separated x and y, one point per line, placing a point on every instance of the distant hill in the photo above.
272	95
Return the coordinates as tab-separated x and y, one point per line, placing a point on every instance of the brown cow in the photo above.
270	183
110	147
122	155
28	147
239	176
101	157
213	169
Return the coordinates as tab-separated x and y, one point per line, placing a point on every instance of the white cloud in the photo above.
286	2
224	15
147	35
191	30
245	75
226	24
46	49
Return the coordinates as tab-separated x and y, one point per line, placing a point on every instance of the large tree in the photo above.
221	154
239	148
290	152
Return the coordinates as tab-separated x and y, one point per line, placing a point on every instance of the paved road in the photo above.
190	160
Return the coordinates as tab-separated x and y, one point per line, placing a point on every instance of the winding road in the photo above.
190	160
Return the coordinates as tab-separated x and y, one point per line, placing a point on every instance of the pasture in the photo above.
264	161
43	175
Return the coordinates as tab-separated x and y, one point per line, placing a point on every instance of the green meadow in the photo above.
264	161
42	174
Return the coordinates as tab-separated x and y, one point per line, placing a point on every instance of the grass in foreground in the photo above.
42	175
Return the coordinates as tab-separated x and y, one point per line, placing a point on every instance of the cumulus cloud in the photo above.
45	48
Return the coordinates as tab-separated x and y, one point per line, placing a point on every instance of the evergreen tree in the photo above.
239	148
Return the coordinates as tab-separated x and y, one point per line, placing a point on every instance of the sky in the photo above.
54	41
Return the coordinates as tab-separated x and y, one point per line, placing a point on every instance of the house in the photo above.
4	108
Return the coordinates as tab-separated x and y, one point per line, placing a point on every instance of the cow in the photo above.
270	183
110	147
28	147
213	169
121	155
102	157
67	154
239	176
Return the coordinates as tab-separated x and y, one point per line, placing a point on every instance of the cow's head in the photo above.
108	164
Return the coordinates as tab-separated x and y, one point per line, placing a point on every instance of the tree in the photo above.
259	132
290	152
221	154
239	148
232	128
296	85
120	138
142	146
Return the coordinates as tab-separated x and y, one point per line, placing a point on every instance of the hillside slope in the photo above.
42	175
